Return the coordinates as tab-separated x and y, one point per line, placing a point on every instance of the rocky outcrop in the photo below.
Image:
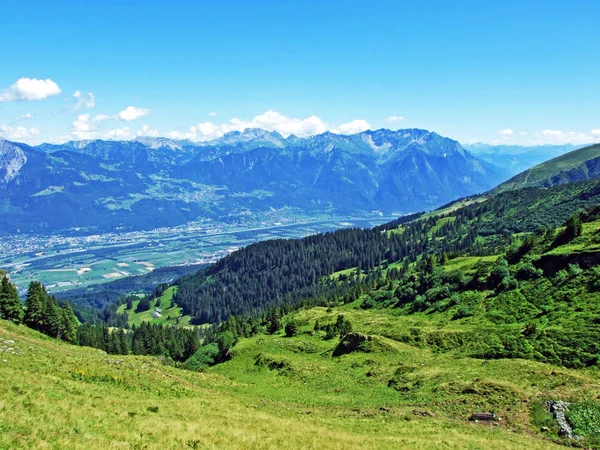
12	159
558	410
351	342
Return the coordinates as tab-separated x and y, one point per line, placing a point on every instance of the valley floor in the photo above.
66	262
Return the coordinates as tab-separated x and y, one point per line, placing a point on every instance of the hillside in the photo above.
517	158
277	272
170	313
103	186
577	165
63	396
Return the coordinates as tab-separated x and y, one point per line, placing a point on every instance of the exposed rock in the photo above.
12	159
558	410
484	416
350	343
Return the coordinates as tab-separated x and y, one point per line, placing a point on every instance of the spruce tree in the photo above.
191	345
35	303
52	322
68	324
11	307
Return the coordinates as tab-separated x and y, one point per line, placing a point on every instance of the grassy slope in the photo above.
62	396
432	374
164	303
541	172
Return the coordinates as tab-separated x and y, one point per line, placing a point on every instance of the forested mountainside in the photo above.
99	186
276	272
578	165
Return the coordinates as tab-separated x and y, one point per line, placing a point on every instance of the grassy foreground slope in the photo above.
60	396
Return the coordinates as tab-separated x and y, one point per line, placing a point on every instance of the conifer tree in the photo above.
52	323
191	345
68	324
35	303
11	307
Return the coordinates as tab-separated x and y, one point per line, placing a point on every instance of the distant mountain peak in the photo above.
258	136
160	142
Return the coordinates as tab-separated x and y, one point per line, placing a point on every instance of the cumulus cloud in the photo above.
30	89
506	132
553	133
18	133
562	137
145	130
212	114
83	127
393	119
103	117
119	133
132	113
269	120
356	126
26	116
596	132
88	101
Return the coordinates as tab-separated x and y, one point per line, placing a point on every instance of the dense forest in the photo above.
272	273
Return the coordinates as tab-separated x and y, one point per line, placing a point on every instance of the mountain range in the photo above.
101	186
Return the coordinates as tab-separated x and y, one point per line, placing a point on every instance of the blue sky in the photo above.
511	71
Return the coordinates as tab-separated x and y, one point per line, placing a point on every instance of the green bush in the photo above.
585	420
205	357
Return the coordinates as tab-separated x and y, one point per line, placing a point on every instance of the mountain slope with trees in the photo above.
273	273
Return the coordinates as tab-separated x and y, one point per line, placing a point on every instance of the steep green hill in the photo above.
578	165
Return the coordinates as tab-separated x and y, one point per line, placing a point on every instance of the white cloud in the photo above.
83	128
506	132
596	132
553	133
103	117
30	89
147	131
26	116
562	137
18	133
212	114
392	119
275	121
269	120
88	101
523	133
120	133
132	113
356	126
